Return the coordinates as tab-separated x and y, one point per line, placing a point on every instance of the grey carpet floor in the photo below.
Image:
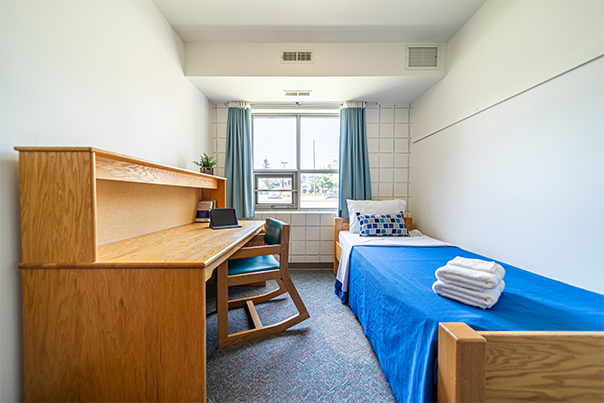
326	358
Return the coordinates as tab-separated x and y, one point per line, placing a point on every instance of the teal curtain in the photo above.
355	180
238	160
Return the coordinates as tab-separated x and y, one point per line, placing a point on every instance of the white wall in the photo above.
106	74
504	48
508	149
330	60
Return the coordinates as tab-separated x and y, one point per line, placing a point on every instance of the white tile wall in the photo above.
219	129
388	141
311	237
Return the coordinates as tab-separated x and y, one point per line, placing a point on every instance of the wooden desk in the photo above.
114	273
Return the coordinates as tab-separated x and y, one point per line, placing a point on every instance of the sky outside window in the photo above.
274	142
319	142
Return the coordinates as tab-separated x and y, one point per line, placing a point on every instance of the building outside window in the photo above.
296	160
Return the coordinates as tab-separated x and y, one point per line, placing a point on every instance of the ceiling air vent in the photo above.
423	57
297	56
292	93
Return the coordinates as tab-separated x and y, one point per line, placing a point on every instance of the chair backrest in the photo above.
272	234
277	233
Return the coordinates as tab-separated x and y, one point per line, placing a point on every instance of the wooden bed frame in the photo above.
343	224
513	366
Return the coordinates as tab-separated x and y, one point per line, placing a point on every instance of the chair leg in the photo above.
293	292
285	285
264	331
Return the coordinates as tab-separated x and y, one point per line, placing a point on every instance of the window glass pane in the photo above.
319	142
274	142
318	190
278	183
274	190
274	198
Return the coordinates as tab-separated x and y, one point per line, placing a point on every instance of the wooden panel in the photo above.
544	366
111	169
58	222
218	194
461	363
126	210
114	335
55	149
114	166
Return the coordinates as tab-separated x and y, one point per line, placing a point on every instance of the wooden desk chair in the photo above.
252	264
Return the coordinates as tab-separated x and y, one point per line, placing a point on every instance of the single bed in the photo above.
542	341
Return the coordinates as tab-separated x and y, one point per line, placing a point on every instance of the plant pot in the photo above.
206	170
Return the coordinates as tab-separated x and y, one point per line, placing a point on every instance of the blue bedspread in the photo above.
390	292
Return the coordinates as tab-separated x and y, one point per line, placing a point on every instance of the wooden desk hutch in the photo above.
113	272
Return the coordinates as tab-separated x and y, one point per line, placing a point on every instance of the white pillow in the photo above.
372	207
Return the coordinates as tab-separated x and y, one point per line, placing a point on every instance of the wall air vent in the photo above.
292	93
420	57
297	56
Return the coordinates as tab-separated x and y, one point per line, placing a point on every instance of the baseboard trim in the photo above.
311	266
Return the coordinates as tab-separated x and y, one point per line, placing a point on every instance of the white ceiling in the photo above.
396	90
317	21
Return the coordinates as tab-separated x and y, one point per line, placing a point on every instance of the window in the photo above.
296	160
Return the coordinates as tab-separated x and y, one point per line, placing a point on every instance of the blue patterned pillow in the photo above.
382	224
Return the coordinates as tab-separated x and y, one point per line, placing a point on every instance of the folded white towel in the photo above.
477	264
468	278
484	299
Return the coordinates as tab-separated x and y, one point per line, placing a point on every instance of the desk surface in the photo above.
192	245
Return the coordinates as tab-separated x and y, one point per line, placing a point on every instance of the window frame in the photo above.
294	174
258	177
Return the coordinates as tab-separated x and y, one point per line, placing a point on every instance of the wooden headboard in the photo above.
343	224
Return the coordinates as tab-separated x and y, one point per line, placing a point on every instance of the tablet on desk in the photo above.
223	218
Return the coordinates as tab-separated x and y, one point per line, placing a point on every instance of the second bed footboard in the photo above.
519	366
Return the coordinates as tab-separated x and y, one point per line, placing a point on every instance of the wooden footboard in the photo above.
519	366
343	224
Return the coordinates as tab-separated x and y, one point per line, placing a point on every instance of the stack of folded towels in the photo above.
471	281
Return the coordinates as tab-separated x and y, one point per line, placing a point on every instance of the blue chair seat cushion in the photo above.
252	264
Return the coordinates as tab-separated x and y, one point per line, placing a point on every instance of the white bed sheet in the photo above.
348	241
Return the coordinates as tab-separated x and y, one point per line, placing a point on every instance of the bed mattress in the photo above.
390	293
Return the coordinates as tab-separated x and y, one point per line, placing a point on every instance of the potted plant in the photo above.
206	164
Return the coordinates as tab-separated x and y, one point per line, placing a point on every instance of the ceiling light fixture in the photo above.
297	93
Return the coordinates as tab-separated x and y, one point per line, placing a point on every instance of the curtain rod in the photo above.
296	106
325	105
